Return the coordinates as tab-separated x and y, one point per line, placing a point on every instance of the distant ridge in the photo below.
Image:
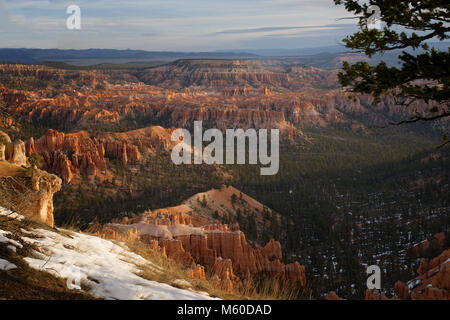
322	57
293	52
95	56
334	49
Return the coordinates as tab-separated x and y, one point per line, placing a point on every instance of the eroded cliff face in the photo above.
28	192
224	94
15	153
69	154
6	141
213	73
72	154
194	240
44	185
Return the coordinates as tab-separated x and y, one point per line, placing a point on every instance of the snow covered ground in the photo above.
6	265
109	270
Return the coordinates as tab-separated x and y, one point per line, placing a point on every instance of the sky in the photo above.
174	25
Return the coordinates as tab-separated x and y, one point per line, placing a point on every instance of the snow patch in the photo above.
4	239
11	214
6	265
107	269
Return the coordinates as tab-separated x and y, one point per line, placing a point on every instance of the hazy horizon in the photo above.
174	25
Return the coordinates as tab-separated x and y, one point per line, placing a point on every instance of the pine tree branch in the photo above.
417	119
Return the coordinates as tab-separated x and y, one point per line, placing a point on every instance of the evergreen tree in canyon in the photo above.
423	73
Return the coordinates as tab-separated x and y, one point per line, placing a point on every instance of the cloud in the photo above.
266	29
195	25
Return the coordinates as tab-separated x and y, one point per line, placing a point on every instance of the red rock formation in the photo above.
15	153
212	73
375	295
246	92
198	272
223	93
174	249
221	249
69	154
333	296
402	291
211	245
223	268
272	250
31	195
437	242
433	282
72	154
233	246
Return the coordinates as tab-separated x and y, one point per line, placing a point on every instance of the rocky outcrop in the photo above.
237	91
432	283
193	240
47	73
230	246
167	217
225	118
223	269
402	291
375	295
27	191
4	141
248	102
69	154
44	186
223	252
229	203
333	296
15	153
72	154
213	73
245	259
223	93
198	272
428	248
2	152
